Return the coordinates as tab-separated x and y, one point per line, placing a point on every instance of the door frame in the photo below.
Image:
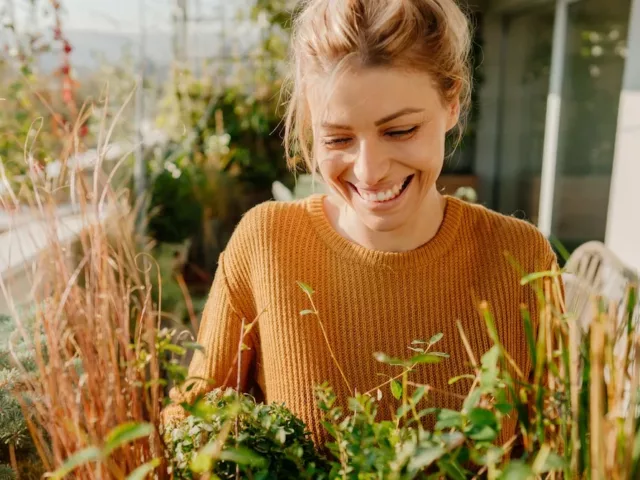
552	119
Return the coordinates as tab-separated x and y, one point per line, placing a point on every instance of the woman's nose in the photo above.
371	164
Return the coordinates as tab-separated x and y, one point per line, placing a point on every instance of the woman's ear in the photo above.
453	113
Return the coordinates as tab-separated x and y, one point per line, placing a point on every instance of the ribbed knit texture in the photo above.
369	301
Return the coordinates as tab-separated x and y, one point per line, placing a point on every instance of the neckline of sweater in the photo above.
424	255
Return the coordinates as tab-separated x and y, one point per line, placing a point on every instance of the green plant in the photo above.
15	441
96	390
7	473
39	104
270	442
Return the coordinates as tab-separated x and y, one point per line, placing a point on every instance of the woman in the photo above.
377	86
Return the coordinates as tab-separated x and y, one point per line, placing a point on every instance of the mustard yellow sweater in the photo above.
368	301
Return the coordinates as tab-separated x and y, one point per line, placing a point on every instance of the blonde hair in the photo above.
432	36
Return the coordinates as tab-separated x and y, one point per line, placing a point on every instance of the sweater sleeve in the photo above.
221	336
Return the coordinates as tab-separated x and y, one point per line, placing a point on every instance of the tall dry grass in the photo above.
94	401
583	398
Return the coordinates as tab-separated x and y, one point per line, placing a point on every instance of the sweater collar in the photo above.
424	255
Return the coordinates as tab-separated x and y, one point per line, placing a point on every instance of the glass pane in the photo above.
593	68
525	87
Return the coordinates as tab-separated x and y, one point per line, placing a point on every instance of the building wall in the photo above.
508	152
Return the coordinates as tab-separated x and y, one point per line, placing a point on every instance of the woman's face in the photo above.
379	141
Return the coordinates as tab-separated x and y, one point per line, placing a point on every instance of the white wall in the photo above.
623	225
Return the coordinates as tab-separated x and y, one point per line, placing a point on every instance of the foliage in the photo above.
225	151
14	434
33	94
204	182
561	410
99	353
272	443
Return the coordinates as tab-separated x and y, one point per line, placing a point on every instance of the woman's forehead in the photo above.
369	94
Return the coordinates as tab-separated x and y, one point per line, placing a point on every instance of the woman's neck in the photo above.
416	232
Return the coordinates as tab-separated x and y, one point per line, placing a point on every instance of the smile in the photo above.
384	196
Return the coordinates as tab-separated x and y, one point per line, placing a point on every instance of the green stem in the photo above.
326	339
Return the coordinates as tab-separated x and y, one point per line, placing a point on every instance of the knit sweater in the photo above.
367	301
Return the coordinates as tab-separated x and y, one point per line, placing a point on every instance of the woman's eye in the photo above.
401	133
336	141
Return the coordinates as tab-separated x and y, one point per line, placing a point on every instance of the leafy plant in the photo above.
270	443
15	441
34	94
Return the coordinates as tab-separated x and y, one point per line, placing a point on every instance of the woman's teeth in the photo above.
385	196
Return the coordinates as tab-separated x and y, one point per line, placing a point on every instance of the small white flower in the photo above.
207	427
621	51
177	435
262	21
179	456
597	50
595	37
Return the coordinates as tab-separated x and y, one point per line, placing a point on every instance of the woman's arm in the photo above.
221	336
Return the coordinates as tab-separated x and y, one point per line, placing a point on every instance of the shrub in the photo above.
271	443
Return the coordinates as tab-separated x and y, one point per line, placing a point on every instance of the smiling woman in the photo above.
381	149
376	88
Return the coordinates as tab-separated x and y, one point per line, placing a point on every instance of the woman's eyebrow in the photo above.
399	113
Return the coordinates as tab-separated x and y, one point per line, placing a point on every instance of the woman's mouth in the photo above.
384	196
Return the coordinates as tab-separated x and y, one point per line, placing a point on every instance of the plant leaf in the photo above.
460	377
193	346
305	288
425	358
481	417
517	470
489	375
551	461
142	471
418	394
424	458
537	275
396	389
307	312
503	408
84	456
177	349
485	434
452	470
384	358
448	418
243	456
472	400
126	433
204	459
436	338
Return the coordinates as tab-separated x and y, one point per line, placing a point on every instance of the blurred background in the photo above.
552	136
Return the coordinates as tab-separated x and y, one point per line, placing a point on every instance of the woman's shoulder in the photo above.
508	234
270	223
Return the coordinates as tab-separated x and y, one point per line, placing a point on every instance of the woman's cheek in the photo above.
425	155
332	165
